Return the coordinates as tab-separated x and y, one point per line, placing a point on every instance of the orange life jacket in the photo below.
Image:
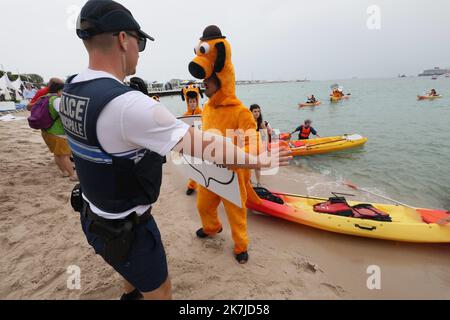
305	132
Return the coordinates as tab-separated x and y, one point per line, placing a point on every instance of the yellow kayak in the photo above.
337	99
406	224
326	145
428	97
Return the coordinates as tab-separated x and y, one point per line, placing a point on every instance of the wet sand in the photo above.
40	237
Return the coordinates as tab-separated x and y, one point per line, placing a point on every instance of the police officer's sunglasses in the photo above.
142	42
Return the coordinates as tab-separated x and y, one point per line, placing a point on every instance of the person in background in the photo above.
306	130
139	84
156	98
312	99
192	95
42	92
265	132
29	92
433	93
55	138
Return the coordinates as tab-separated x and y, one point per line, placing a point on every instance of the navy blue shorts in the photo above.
146	266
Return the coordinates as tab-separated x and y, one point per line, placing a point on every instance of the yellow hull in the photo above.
336	99
326	145
407	223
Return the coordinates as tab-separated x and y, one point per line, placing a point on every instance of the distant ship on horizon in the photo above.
434	72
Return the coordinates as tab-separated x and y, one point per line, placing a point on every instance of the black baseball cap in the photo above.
107	16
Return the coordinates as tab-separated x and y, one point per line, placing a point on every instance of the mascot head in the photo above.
191	91
213	58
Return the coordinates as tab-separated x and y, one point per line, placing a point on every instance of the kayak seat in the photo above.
336	206
367	211
265	194
339	206
298	144
433	216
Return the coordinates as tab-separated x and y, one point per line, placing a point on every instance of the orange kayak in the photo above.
304	105
420	98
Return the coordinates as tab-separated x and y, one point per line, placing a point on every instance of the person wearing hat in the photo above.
224	112
306	130
192	94
118	137
139	84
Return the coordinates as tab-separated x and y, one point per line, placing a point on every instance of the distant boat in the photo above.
434	77
434	72
447	75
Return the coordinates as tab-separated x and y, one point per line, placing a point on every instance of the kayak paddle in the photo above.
308	197
355	187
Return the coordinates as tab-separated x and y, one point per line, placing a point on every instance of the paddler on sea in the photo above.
312	99
306	130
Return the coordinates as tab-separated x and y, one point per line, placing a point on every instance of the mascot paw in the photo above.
242	258
202	235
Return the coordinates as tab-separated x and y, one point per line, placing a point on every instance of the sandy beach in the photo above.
40	237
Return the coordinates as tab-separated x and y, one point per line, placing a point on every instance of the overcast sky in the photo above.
272	40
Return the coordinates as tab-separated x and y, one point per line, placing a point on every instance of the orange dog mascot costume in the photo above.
191	91
223	111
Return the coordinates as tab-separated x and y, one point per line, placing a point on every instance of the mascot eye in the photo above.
204	48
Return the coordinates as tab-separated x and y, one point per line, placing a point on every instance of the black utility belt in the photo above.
118	235
133	217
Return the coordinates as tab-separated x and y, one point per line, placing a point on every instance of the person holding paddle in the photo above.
306	130
312	99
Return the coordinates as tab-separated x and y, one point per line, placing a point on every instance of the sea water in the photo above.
407	156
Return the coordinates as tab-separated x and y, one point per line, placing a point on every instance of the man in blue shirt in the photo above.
306	130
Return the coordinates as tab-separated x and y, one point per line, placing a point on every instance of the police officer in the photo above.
119	137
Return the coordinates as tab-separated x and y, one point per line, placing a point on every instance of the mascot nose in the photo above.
197	70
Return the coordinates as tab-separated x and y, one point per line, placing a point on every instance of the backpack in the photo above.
40	118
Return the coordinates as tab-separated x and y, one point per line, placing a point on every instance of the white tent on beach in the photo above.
6	84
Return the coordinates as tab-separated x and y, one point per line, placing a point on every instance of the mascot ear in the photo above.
221	57
182	95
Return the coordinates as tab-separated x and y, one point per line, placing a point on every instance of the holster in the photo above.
118	237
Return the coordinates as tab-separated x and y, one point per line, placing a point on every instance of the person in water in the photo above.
306	130
312	99
337	93
433	93
265	132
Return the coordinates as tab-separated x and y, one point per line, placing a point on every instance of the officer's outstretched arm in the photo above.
219	150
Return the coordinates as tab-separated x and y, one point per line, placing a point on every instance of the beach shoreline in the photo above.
41	237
